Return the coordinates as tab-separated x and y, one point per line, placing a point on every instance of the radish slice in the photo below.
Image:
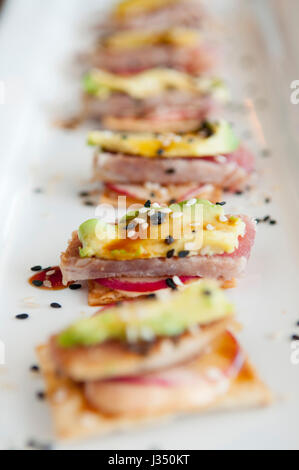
137	286
142	193
195	191
129	190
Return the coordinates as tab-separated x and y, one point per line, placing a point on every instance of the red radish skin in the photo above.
137	192
151	286
192	193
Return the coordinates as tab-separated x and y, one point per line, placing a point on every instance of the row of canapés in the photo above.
165	342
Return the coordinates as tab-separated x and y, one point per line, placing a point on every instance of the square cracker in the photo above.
73	417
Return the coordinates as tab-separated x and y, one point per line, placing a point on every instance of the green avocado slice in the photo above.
211	139
198	304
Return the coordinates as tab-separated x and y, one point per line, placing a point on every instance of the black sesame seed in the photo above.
40	395
151	296
148	204
295	337
222	203
265	219
267	200
84	194
297	324
55	305
170	171
89	203
153	194
33	444
157	218
183	253
207	293
38	190
238	193
206	129
273	222
22	316
258	220
160	152
75	286
169	240
172	201
36	268
171	284
266	153
37	283
34	368
170	254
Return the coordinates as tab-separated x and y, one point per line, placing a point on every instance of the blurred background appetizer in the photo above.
157	99
170	167
149	14
131	52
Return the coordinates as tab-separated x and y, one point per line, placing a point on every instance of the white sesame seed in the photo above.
223	218
152	186
194	329
191	202
190	246
147	333
131	234
214	374
163	191
205	251
177	281
47	284
49	273
88	420
60	395
156	205
143	210
176	215
221	159
139	220
210	227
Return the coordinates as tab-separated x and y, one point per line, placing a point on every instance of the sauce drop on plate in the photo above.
49	279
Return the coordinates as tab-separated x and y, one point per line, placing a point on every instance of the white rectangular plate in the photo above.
36	226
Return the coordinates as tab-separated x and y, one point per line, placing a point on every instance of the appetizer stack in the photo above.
131	365
165	342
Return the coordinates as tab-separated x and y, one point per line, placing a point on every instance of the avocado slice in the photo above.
91	233
136	39
200	303
135	7
211	139
100	83
210	211
146	233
